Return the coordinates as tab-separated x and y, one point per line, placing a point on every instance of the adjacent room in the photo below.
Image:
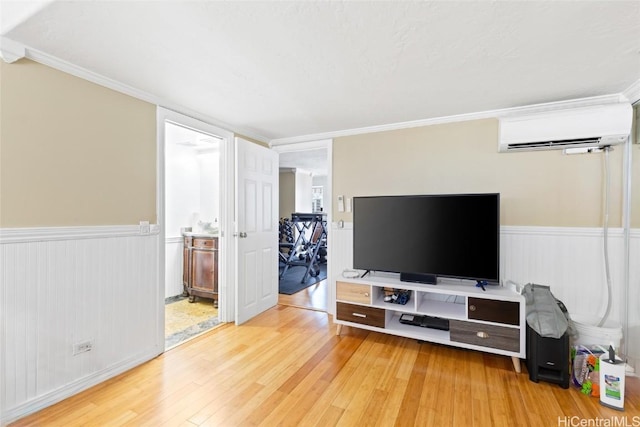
304	199
319	213
192	210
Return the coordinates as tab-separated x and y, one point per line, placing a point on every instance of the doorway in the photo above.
194	213
305	186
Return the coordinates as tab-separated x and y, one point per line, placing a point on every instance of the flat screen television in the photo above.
423	237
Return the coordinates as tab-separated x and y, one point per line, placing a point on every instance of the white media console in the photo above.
491	320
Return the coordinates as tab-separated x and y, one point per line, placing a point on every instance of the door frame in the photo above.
314	145
226	241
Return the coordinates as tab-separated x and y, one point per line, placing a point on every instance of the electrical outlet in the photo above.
82	347
145	228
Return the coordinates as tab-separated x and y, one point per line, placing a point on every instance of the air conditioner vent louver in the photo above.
595	126
563	143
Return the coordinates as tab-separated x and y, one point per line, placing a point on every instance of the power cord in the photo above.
607	190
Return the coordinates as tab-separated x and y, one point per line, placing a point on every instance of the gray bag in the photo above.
543	313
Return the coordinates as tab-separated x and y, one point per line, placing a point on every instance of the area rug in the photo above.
184	320
292	280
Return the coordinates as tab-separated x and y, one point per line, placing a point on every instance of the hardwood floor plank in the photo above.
391	408
259	413
361	364
410	404
314	297
441	393
336	376
331	417
231	407
288	367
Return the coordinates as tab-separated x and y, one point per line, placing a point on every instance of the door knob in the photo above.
243	235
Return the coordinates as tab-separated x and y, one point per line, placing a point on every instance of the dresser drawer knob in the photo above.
482	334
472	307
366	294
364	316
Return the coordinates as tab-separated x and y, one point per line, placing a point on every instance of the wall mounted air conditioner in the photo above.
585	127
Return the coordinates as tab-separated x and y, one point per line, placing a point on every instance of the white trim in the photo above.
632	93
41	234
576	103
11	51
83	73
301	146
560	231
73	388
19	51
535	230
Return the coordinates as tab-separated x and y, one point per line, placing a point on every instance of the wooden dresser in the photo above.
200	266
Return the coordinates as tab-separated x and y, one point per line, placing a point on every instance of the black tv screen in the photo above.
447	235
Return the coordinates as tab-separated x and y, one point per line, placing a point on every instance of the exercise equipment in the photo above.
310	246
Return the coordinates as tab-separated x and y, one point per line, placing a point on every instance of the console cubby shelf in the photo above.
491	320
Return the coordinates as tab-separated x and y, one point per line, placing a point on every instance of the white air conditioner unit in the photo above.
586	127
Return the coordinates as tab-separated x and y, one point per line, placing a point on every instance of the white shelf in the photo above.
425	334
449	299
447	286
378	301
443	309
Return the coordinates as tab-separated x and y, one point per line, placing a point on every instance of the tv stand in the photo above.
490	320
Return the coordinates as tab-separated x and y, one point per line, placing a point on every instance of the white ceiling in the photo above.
281	70
313	160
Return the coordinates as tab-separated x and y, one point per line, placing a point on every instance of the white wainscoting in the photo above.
173	266
569	260
63	286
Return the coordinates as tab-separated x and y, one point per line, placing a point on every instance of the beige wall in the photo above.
544	188
73	152
287	193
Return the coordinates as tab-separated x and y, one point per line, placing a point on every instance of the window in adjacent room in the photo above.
316	199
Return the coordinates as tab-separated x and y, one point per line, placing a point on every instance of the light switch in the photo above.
340	203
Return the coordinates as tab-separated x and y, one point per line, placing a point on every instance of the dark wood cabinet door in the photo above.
204	277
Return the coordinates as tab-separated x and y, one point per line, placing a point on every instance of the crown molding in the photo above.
11	51
303	146
632	93
74	70
528	109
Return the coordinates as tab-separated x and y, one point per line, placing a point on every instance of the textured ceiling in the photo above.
314	161
284	69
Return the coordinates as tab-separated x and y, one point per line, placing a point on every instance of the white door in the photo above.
257	226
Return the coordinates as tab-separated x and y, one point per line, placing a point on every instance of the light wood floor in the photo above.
314	297
287	367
